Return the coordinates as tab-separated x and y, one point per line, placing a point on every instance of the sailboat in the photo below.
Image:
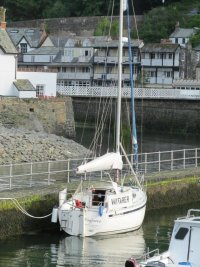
112	207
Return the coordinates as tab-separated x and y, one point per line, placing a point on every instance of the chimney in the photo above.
2	18
177	26
43	32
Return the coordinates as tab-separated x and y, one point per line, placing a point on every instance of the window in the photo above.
50	58
39	90
153	55
85	69
23	47
183	41
164	56
153	74
182	232
168	74
135	53
109	70
64	69
68	52
86	53
176	40
170	55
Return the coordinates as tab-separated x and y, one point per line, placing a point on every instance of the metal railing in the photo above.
152	93
45	173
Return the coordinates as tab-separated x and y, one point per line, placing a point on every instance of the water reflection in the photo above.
99	251
56	250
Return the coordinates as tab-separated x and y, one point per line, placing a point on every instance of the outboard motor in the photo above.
130	263
155	264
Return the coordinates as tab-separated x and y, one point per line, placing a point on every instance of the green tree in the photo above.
195	40
105	27
58	9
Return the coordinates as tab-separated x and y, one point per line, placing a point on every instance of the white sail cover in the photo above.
106	162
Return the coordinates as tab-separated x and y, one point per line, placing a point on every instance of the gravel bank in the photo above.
21	145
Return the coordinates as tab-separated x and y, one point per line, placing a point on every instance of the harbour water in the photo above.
146	142
55	249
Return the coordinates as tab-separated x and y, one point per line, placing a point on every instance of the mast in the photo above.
131	61
118	124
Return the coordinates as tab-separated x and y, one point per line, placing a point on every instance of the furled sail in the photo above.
106	162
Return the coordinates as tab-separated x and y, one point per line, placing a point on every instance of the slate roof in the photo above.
60	41
182	33
44	50
24	85
156	47
115	43
32	35
6	44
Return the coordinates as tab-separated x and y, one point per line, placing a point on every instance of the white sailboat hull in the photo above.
90	222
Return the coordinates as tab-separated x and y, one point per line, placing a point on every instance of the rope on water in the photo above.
15	201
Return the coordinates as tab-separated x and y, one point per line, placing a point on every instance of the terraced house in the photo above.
16	82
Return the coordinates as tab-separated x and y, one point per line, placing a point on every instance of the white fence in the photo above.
152	93
50	172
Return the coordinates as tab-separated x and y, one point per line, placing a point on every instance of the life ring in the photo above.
130	263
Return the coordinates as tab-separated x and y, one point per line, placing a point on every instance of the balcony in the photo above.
74	76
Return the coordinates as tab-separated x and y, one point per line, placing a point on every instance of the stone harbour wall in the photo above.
35	130
161	116
54	116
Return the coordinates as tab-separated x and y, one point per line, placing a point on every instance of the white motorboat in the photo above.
110	208
184	247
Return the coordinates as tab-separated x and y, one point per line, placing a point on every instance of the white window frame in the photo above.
40	90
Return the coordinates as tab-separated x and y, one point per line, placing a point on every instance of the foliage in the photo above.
105	27
160	22
195	40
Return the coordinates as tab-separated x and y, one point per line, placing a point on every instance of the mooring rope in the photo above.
15	201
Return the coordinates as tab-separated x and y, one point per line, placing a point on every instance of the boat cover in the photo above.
108	161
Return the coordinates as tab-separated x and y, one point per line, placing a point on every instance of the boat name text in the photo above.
120	200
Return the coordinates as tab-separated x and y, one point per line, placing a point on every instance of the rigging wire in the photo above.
102	116
131	59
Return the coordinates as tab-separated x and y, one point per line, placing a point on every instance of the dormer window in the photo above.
23	47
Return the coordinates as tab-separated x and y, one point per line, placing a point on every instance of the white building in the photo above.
8	59
23	84
181	36
161	62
